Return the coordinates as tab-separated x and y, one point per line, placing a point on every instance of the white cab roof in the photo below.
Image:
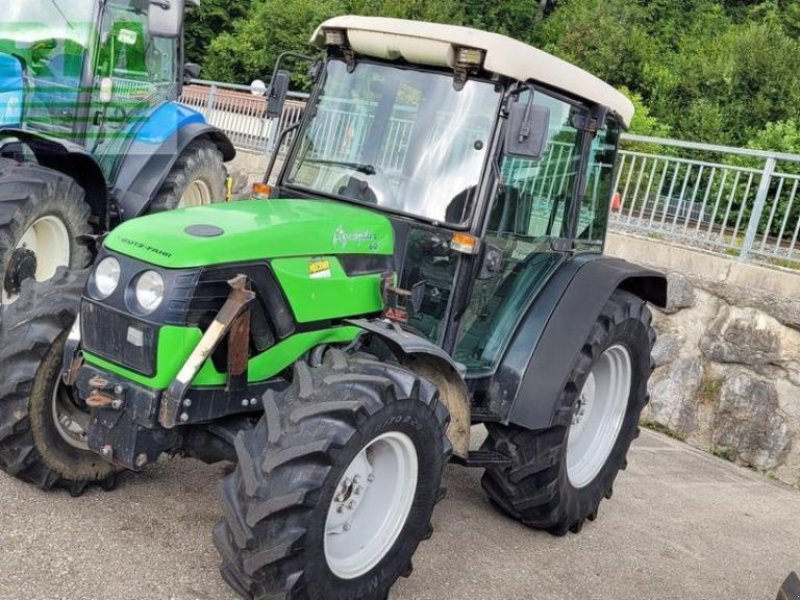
432	44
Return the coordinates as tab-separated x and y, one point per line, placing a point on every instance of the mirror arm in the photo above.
281	136
282	57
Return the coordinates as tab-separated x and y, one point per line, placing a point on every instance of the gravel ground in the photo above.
681	525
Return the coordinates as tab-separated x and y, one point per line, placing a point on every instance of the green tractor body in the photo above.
429	258
326	261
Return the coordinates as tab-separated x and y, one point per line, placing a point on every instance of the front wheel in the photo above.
559	476
336	485
43	427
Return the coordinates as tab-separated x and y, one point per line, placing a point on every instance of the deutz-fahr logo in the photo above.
342	237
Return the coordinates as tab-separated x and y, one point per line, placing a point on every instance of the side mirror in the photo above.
190	71
527	130
165	18
492	265
276	94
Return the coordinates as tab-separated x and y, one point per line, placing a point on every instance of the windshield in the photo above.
50	37
36	29
397	138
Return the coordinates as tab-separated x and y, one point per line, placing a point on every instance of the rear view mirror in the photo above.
165	18
276	94
190	71
527	130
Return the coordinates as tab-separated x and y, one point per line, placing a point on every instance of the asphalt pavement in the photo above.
681	525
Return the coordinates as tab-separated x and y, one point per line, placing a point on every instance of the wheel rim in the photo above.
48	239
197	194
598	417
370	505
72	423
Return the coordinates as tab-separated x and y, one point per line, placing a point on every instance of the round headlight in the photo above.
149	291
106	276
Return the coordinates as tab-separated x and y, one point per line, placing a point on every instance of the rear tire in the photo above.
550	484
42	214
281	536
198	178
34	330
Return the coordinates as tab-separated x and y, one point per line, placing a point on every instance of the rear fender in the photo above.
72	160
528	383
155	150
434	364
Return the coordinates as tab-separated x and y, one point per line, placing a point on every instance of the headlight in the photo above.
149	291
106	277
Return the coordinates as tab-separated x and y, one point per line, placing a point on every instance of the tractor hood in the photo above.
252	230
11	91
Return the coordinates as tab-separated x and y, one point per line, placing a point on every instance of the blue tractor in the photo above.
90	131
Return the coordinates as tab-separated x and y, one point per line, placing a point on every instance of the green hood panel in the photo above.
252	230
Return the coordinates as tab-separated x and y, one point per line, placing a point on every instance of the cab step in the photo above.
482	459
484	415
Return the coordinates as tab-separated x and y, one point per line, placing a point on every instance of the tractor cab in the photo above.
493	160
91	73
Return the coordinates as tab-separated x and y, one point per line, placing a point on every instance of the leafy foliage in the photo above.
719	71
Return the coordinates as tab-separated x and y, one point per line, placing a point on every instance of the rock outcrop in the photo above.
727	379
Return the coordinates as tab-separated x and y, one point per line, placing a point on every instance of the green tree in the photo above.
204	23
250	49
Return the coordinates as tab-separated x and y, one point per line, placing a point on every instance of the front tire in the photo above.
559	476
336	485
198	178
40	423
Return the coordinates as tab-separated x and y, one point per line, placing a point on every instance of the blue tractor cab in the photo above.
90	130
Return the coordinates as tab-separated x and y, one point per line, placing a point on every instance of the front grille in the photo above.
118	338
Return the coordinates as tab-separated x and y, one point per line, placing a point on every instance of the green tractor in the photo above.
90	133
429	258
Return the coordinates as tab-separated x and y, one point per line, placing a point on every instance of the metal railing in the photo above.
737	201
240	111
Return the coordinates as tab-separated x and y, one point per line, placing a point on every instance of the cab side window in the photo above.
530	209
593	217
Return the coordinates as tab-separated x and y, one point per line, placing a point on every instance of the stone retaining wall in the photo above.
727	375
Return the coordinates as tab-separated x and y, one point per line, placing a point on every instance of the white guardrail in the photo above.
737	201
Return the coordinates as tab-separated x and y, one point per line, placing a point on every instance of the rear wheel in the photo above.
197	179
42	214
559	475
335	487
42	425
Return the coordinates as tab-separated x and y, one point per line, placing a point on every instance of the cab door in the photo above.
533	226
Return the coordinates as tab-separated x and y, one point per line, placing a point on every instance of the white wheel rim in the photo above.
71	422
197	194
370	505
598	418
48	238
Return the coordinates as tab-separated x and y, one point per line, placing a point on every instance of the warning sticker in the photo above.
319	269
127	37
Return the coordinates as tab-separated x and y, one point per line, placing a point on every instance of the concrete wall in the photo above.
727	375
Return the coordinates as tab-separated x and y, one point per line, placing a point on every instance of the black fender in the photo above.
72	160
146	166
539	358
431	362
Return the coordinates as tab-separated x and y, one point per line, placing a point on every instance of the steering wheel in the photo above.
377	183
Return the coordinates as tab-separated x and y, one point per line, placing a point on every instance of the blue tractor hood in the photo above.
11	91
